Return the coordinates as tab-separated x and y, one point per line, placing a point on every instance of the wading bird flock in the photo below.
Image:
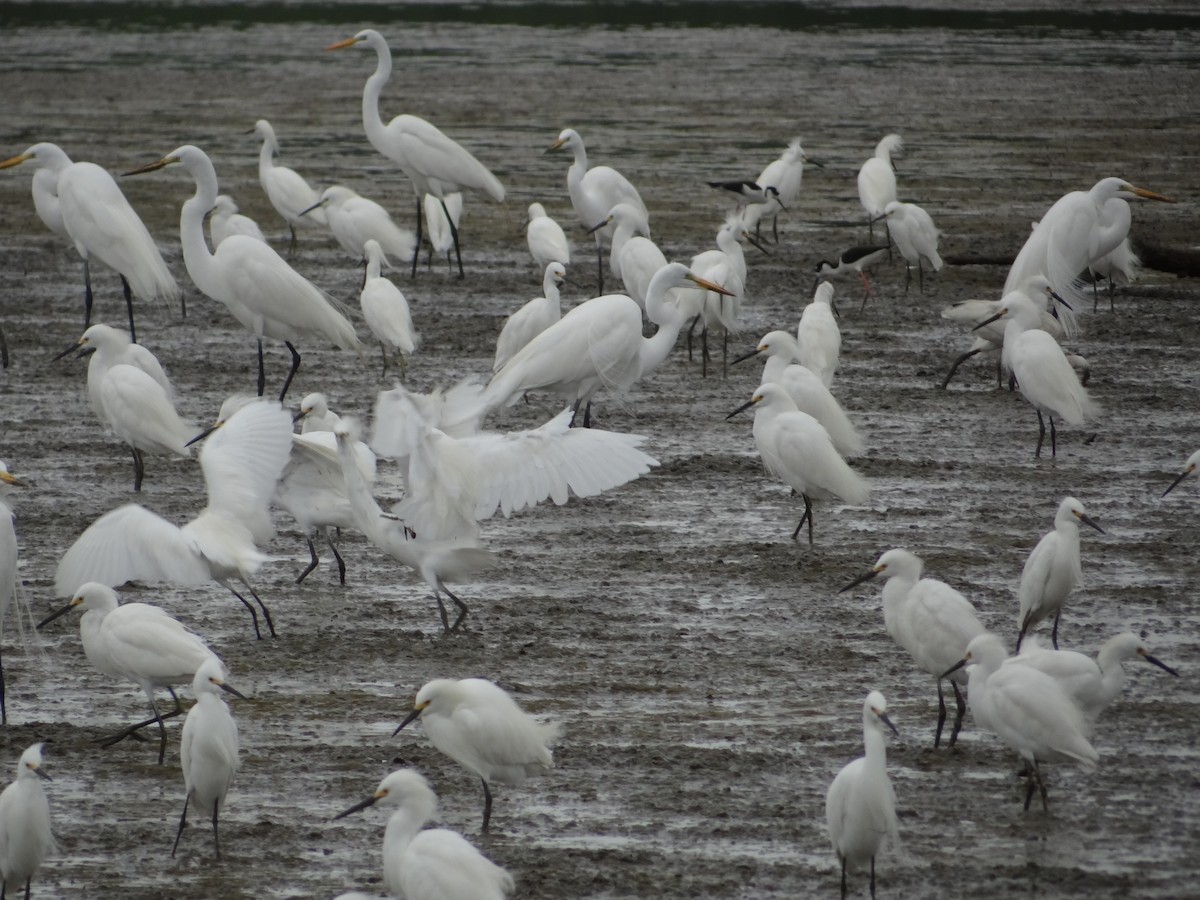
455	474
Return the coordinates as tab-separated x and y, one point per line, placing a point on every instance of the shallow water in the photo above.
708	672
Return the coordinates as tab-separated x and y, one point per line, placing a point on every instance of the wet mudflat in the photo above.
709	675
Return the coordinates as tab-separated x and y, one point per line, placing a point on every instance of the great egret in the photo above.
1052	570
386	311
287	190
533	318
594	192
434	163
208	749
25	836
100	223
860	805
930	620
429	863
254	282
797	450
547	241
1027	709
479	726
355	219
225	220
598	344
818	337
139	643
915	236
851	262
785	174
241	460
877	179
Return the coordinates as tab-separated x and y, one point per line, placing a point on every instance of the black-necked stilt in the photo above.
748	192
855	260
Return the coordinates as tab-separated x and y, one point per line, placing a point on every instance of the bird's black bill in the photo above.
202	435
1088	520
370	801
857	581
71	349
596	228
1158	662
745	406
230	689
54	615
152	167
745	356
954	668
42	774
752	242
989	321
1174	484
310	209
407	720
888	722
1057	298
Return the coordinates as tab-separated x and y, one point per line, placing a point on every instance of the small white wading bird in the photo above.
441	234
434	863
287	190
1052	570
386	310
434	163
785	175
1189	467
355	219
916	237
533	318
208	750
225	221
818	337
930	620
797	450
547	241
860	805
877	179
479	726
139	643
11	604
25	838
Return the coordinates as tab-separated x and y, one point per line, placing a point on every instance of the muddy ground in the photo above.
709	675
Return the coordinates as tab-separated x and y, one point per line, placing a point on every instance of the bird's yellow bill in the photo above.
9	478
708	285
15	161
155	166
556	145
1141	192
342	45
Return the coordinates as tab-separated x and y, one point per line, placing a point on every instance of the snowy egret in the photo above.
854	261
287	190
915	236
434	163
355	219
785	175
929	619
860	805
1052	570
315	414
748	193
1080	228
877	179
386	311
547	241
208	749
1039	365
818	336
806	389
8	566
630	232
1092	683
101	224
434	863
479	726
25	837
594	192
597	344
1189	467
139	643
262	291
313	491
533	318
1027	709
797	450
441	235
225	220
241	460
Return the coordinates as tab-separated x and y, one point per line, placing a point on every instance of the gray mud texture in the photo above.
708	673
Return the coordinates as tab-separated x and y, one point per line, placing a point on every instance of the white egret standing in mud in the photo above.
818	337
355	219
84	201
139	643
386	310
9	611
287	190
25	836
877	179
429	863
225	221
594	192
434	163
531	319
785	174
1052	570
860	805
1189	467
1026	709
264	293
930	620
547	241
916	237
208	748
479	726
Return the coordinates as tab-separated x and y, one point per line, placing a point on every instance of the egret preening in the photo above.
479	726
797	450
533	318
594	192
225	220
1027	709
434	163
139	643
287	190
256	285
860	805
208	749
1052	570
25	836
547	241
930	620
877	179
429	863
99	221
915	236
241	460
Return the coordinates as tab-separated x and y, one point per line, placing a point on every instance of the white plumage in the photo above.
547	241
441	235
785	174
533	318
25	836
287	190
916	238
818	335
877	178
355	219
385	309
225	221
